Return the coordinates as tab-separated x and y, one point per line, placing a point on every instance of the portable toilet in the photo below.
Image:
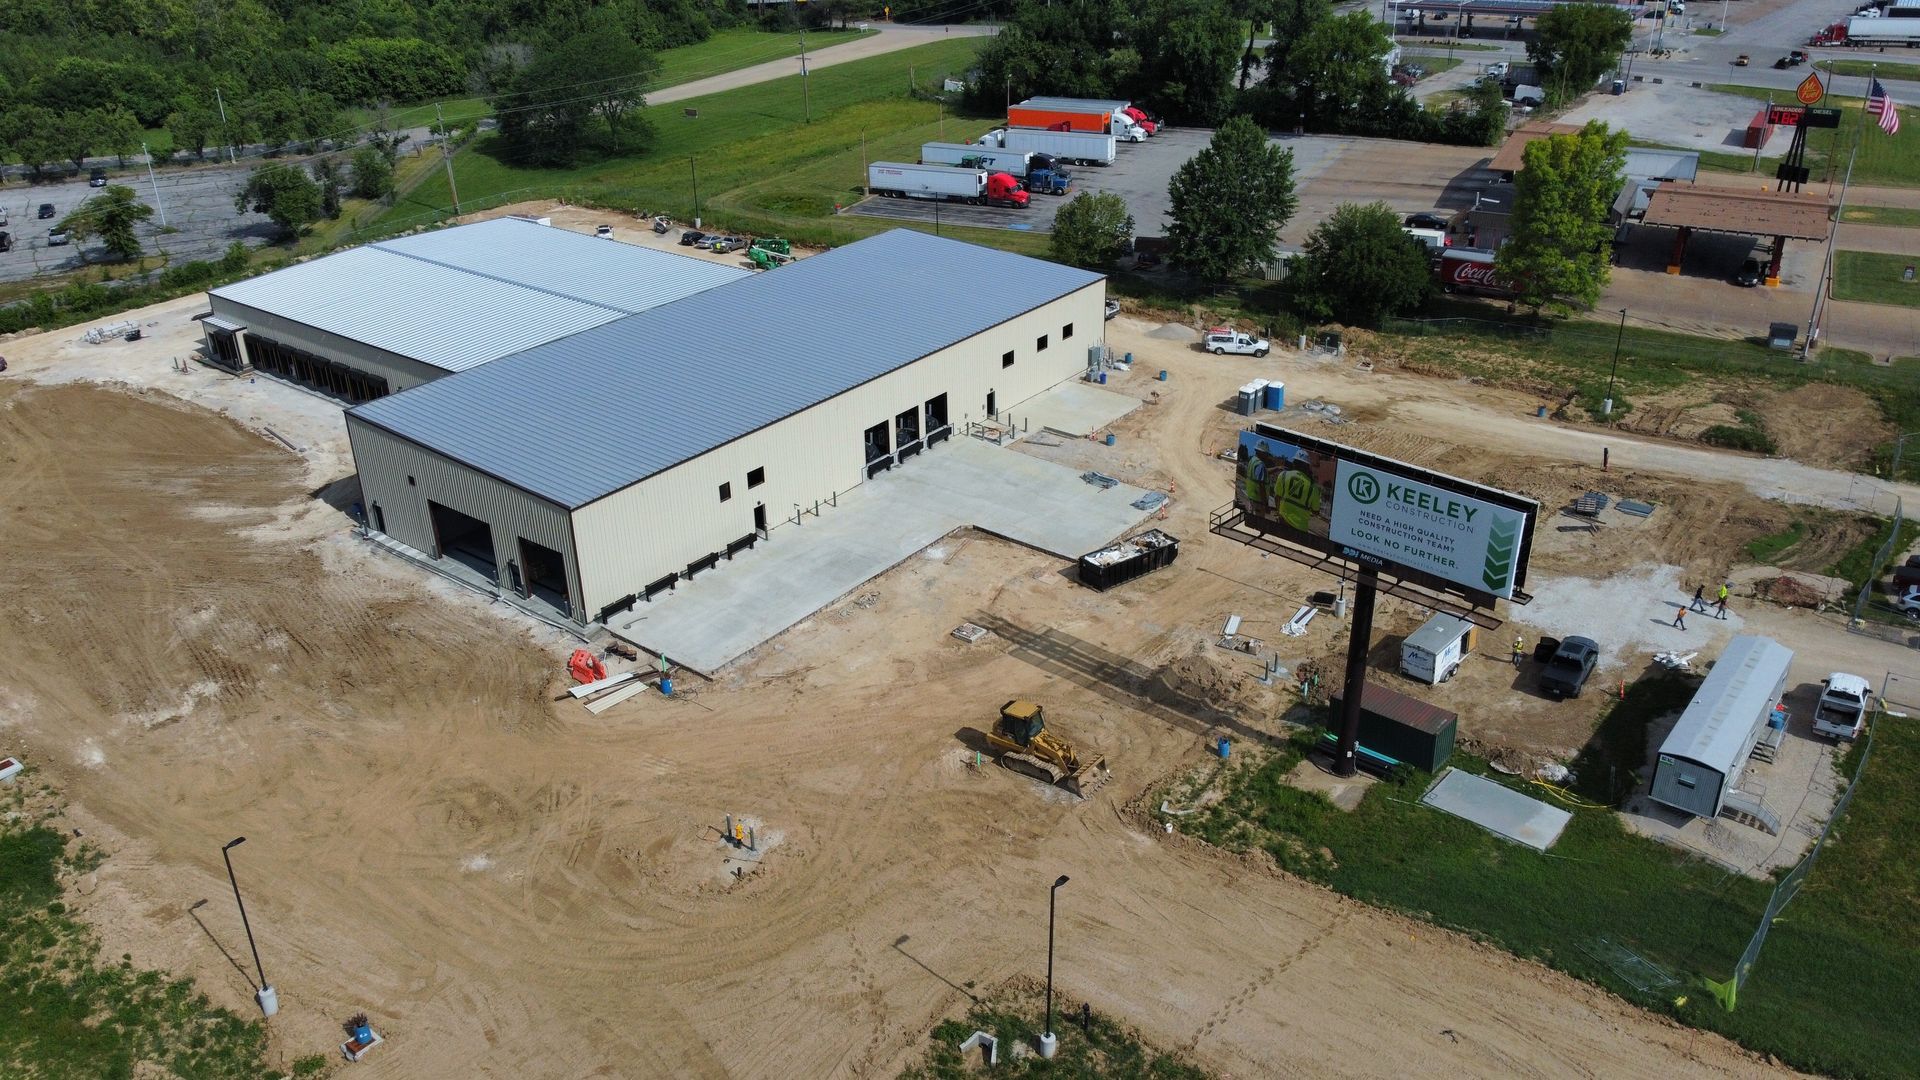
1433	653
1275	396
1249	402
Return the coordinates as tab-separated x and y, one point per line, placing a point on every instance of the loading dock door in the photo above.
465	539
546	573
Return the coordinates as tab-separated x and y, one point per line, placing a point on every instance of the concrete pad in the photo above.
1075	408
1497	808
1344	792
727	612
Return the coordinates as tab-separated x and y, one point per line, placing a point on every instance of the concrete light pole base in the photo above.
1049	1044
269	1000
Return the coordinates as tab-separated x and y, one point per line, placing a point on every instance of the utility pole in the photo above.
1826	268
225	135
446	155
693	167
806	101
162	210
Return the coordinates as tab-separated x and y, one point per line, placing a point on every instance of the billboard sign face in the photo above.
1413	523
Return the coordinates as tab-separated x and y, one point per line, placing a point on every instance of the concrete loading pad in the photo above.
709	622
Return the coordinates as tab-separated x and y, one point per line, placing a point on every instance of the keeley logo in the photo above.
1363	487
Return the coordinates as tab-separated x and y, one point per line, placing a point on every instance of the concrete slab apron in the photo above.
1073	408
725	613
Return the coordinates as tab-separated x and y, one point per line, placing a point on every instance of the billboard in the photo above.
1412	523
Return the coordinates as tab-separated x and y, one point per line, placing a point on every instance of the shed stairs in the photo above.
1747	810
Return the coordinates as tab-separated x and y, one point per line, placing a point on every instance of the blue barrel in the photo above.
666	686
1103	378
1109	438
1129	358
1163	374
1541	411
363	1033
1225	747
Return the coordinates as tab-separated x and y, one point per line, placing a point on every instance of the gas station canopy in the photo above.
1797	215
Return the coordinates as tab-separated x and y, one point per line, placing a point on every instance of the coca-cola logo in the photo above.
1472	273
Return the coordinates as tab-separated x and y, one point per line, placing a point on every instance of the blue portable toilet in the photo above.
1275	396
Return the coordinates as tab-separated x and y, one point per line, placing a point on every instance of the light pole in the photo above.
1606	407
267	997
1048	1043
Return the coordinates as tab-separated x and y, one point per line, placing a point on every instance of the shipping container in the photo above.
1403	728
1128	559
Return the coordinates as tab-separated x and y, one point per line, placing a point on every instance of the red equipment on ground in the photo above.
586	667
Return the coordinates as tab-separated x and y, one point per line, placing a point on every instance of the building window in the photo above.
1006	359
1040	343
410	481
726	492
1066	332
757	477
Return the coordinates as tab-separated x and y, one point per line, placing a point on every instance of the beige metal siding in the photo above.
400	372
385	463
638	535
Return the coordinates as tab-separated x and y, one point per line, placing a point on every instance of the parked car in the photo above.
6	244
690	237
1113	306
57	236
97	178
1427	220
1220	341
1567	670
604	231
47	211
3	215
1749	274
705	243
1742	60
1908	603
728	243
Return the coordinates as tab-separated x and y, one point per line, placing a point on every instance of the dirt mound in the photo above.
1174	332
1823	424
1787	592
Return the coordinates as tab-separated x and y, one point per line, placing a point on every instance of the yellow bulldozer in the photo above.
1024	744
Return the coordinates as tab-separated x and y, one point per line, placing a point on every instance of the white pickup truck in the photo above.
1221	340
1842	712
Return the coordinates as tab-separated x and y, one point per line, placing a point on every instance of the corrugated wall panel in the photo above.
658	526
386	463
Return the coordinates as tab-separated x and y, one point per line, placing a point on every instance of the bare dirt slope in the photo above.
199	649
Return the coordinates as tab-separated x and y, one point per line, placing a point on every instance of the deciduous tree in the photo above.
1574	44
1091	230
1229	203
1558	255
110	217
284	193
1359	266
372	173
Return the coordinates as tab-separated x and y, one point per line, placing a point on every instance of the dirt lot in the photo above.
510	886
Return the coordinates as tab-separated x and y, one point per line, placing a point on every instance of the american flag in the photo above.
1881	106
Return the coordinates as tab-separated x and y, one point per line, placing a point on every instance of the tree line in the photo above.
80	79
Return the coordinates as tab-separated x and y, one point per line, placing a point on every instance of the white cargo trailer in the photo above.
902	180
1076	147
1011	162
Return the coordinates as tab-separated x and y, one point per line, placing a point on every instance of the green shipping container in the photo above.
1403	728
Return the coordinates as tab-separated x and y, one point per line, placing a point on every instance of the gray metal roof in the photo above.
1720	719
584	416
457	298
1647	163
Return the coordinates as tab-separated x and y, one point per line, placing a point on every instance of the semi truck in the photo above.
1078	147
1470	270
1077	114
1041	174
898	180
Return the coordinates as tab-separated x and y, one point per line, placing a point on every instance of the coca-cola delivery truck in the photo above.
1470	270
898	180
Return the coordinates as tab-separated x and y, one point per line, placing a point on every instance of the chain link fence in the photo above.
1899	698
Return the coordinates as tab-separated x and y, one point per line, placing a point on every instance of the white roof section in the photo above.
1647	163
1074	103
1717	723
457	298
650	391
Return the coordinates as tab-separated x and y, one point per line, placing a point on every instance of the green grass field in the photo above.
1875	277
1901	216
760	167
1846	941
1862	68
1887	160
726	50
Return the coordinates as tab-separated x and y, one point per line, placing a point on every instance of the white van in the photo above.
1432	653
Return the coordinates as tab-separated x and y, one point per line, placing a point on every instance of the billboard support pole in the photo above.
1359	636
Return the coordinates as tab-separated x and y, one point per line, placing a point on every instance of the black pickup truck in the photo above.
1568	669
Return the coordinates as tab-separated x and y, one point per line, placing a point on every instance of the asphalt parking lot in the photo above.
1139	174
197	204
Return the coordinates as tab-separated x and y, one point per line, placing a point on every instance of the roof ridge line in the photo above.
382	246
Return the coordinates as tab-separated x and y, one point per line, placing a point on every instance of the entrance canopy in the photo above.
1792	214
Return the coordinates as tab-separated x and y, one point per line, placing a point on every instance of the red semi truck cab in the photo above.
1146	123
1004	190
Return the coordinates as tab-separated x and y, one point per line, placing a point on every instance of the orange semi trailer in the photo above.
1027	116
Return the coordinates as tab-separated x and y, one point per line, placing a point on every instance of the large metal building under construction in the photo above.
381	318
599	467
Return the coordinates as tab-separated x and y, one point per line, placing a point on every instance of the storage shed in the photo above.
1701	761
1403	728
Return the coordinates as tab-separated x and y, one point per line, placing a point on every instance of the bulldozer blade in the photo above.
1087	779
